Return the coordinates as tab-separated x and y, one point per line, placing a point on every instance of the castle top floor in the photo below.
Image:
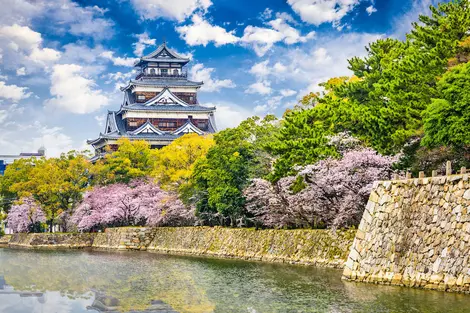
163	62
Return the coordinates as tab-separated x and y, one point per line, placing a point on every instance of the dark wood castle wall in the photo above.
165	124
188	97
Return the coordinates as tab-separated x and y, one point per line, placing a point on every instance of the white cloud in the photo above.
264	69
44	56
120	79
229	115
259	109
13	92
3	116
63	15
298	71
267	14
322	11
262	39
73	92
261	87
23	46
201	32
288	92
53	139
261	69
118	61
143	42
371	9
21	71
200	73
100	119
119	76
175	10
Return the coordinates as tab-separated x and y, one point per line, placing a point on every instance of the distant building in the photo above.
159	105
6	159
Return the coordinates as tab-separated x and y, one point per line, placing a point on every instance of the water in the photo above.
89	281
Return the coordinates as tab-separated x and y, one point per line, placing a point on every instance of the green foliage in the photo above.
218	179
56	184
447	120
133	159
383	103
175	163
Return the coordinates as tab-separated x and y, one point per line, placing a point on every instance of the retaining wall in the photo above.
51	241
415	233
311	247
315	247
124	238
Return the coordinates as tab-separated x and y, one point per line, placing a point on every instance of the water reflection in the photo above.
86	281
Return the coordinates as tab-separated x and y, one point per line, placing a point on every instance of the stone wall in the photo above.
4	240
415	233
310	247
51	241
124	238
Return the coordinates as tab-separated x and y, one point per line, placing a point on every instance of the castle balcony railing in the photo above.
168	75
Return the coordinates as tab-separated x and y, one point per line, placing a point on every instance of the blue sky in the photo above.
62	61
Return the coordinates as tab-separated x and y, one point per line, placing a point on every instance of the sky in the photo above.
62	61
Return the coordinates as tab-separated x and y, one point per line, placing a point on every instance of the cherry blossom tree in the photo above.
141	202
334	192
26	216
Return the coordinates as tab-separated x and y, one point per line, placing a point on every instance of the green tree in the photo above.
219	179
174	163
447	119
133	159
382	105
57	184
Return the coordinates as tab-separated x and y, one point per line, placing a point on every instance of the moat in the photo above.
91	281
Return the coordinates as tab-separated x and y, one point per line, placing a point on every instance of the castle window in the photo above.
164	71
175	72
140	97
132	124
152	71
202	124
167	124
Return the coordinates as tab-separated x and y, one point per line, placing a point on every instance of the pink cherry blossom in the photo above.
335	194
141	202
25	215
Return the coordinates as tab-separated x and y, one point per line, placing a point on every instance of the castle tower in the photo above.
159	105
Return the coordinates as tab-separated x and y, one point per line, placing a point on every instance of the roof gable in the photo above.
147	128
165	53
111	125
188	127
165	97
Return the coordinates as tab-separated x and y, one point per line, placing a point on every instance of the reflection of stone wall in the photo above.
124	238
415	232
319	247
51	240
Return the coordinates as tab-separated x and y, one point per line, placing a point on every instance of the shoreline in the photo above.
309	247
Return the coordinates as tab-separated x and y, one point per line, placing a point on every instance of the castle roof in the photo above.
162	54
165	101
115	129
162	82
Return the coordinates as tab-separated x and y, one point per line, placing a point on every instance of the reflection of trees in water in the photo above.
142	281
136	280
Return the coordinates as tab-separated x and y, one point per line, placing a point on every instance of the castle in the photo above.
159	105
